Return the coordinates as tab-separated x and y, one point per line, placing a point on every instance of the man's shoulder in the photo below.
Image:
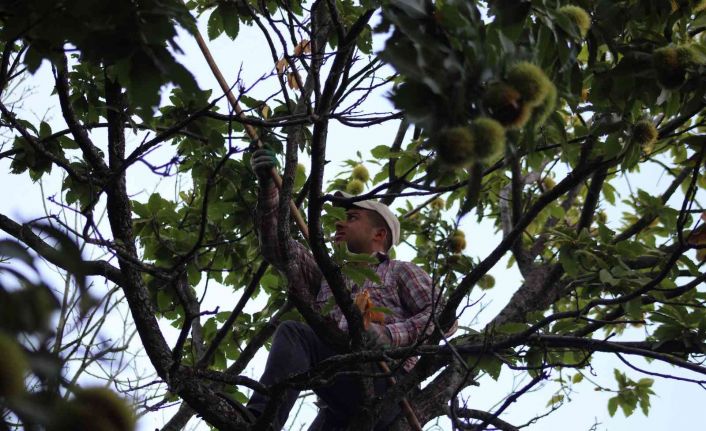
406	266
401	263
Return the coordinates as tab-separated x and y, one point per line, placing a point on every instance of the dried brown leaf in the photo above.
292	81
281	66
303	47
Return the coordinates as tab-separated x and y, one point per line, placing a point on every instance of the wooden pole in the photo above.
250	130
406	407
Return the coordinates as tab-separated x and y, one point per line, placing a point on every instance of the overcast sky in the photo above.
675	405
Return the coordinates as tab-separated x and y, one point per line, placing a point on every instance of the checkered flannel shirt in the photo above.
405	289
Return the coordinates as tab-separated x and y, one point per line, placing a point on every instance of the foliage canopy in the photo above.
523	115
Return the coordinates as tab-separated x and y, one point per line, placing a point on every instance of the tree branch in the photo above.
90	151
23	233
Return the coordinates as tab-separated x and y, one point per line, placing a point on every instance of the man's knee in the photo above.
291	327
292	332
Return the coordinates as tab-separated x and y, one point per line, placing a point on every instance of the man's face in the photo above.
356	231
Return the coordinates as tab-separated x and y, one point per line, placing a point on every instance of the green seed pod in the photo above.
548	183
109	405
645	134
670	63
454	259
602	217
360	172
489	136
13	366
545	109
504	103
530	81
438	204
455	146
355	187
457	242
579	16
301	169
686	54
486	282
95	409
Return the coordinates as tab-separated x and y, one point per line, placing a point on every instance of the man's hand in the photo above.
262	162
379	335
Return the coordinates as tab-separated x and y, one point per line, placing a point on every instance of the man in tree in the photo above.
406	290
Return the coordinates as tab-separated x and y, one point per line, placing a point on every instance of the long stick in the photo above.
250	130
406	407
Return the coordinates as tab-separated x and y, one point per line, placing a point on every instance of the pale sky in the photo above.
676	405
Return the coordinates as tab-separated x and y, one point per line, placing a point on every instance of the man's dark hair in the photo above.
378	222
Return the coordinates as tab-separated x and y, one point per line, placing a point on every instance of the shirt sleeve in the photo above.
416	296
266	223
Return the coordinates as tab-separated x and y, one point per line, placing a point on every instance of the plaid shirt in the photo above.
405	289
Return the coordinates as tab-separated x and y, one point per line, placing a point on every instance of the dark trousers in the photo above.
295	349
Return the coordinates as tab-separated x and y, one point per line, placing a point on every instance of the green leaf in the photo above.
512	328
627	403
534	358
633	308
605	233
240	397
413	8
381	152
606	277
33	59
609	193
230	20
67	143
612	406
645	382
361	258
193	275
269	281
215	24
44	130
13	250
164	301
555	399
569	263
359	275
645	405
490	365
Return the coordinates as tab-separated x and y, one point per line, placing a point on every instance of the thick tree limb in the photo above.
486	417
89	150
330	269
24	233
180	418
120	218
214	409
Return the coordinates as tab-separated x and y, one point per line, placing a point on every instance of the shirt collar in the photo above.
382	257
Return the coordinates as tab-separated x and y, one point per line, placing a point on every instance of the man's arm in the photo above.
415	292
266	223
